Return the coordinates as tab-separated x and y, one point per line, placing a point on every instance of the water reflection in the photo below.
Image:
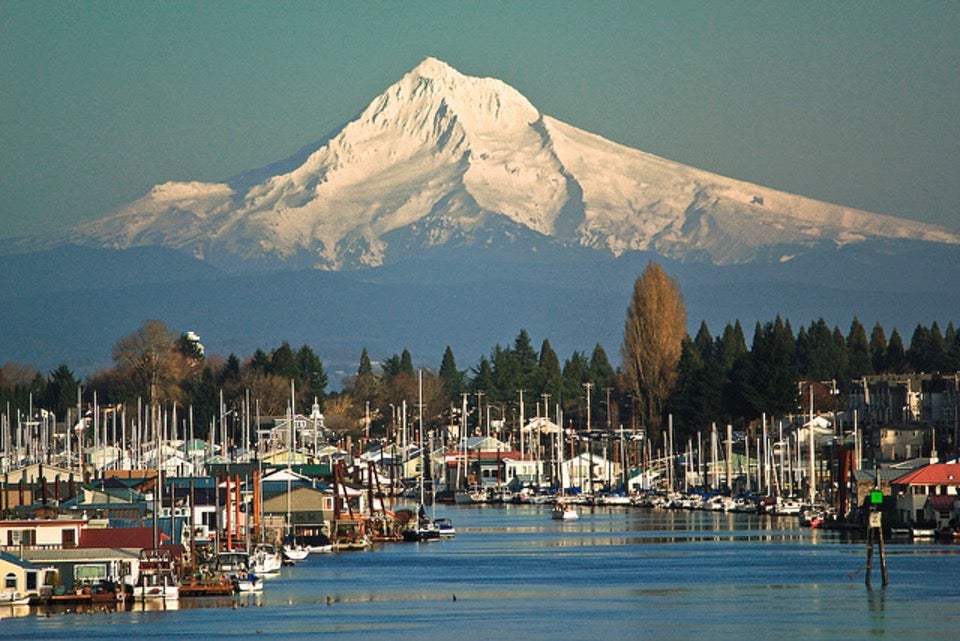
48	610
615	573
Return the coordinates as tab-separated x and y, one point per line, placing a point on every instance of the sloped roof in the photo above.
934	474
126	537
16	560
941	501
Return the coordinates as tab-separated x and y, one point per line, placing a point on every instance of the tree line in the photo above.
663	371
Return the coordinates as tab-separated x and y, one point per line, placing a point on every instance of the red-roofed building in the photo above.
930	494
117	537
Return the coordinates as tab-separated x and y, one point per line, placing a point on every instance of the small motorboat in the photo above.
295	552
564	512
249	582
445	528
9	597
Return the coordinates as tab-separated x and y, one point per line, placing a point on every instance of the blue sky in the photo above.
852	102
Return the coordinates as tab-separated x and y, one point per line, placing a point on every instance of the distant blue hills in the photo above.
71	304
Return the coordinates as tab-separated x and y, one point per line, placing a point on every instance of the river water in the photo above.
615	573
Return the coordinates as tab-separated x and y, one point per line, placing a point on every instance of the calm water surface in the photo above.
616	573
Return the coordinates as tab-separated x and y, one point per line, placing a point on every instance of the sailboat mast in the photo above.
423	457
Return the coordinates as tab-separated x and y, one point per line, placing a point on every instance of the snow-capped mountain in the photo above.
444	158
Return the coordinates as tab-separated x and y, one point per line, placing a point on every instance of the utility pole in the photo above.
608	390
588	386
479	407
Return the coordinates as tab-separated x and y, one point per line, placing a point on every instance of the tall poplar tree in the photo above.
652	342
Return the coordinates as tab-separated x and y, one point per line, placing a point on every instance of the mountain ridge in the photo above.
443	157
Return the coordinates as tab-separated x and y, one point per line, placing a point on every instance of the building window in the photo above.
10	581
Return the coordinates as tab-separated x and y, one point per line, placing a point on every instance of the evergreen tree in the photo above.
576	372
878	349
927	352
366	367
803	353
189	346
365	385
731	345
451	379
896	356
739	394
60	391
229	375
821	355
391	366
697	400
483	376
260	362
283	362
951	341
509	375
524	353
406	361
704	343
548	367
601	372
842	355
313	378
203	396
858	349
771	375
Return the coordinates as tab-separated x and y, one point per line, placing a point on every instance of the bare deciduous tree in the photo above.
148	355
655	328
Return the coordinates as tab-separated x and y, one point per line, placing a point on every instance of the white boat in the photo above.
422	531
353	543
9	597
232	562
315	543
471	495
249	583
296	552
564	512
445	528
157	578
266	559
788	507
922	532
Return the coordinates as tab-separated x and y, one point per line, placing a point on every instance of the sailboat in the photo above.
562	511
421	527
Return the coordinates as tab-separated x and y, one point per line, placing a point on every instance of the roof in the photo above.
42	556
870	475
941	501
125	537
16	560
935	474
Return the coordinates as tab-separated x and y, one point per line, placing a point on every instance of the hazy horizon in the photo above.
855	104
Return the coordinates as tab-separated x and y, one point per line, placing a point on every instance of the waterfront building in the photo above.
930	494
20	576
16	535
590	472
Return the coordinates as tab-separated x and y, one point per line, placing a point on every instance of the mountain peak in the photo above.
442	158
434	68
433	92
